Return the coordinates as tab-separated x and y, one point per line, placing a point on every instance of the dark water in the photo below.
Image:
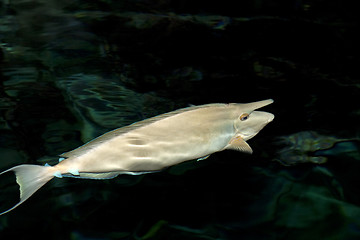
72	70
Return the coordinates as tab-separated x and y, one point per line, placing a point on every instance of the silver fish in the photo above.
153	144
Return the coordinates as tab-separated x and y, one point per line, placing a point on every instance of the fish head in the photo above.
249	122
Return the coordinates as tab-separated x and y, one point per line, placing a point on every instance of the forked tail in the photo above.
30	178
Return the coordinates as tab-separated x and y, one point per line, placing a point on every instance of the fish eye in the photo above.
244	116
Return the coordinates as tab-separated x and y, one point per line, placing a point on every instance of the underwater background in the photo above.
71	70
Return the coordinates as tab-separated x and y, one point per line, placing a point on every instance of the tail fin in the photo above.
30	178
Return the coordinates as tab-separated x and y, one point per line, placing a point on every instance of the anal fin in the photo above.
203	158
98	176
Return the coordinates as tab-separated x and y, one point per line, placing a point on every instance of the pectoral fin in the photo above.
237	143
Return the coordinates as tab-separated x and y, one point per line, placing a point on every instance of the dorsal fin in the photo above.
119	131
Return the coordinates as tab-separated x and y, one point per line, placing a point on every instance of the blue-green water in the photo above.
72	70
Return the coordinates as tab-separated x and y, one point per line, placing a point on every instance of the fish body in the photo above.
312	147
153	144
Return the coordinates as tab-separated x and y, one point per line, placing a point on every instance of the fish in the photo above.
152	145
312	147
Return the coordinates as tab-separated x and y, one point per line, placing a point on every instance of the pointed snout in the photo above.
260	104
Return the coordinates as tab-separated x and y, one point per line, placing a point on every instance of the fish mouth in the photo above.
252	131
271	118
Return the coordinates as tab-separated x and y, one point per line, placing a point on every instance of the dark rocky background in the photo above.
72	70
